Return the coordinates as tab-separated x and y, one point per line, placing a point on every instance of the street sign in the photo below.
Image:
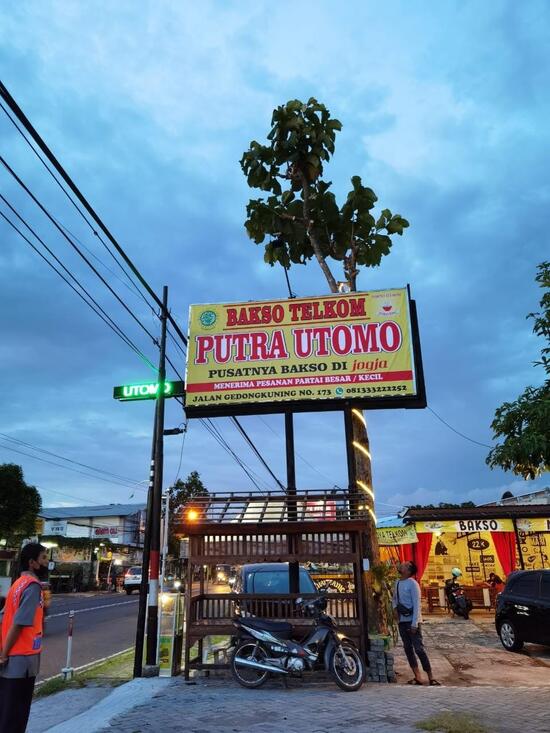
147	391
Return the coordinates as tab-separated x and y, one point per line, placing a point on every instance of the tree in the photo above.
301	220
181	494
525	423
19	504
445	505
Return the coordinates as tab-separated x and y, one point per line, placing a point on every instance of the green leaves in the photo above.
524	424
300	214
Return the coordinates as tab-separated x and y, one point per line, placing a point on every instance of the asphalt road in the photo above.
104	623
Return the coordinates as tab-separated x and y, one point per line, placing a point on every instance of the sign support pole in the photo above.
152	618
293	567
360	585
144	587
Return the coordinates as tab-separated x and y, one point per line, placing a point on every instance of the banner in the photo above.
537	524
325	349
463	526
396	535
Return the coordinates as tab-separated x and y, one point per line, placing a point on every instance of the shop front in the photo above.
485	543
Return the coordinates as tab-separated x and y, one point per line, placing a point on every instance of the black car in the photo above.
270	578
523	609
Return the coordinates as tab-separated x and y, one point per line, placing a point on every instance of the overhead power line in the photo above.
75	246
471	440
74	204
69	460
25	122
68	468
257	452
96	307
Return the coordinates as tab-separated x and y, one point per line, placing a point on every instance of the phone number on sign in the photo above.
372	390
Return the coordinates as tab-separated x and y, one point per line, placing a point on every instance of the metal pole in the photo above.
293	567
144	587
152	618
518	543
67	669
163	566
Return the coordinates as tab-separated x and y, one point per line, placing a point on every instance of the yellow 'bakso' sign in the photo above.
355	346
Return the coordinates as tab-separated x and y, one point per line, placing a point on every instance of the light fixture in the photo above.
362	449
192	515
364	486
358	414
373	515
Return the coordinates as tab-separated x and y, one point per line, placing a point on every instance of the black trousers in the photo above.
15	703
414	646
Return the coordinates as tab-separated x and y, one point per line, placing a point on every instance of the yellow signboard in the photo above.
537	524
324	349
396	535
466	525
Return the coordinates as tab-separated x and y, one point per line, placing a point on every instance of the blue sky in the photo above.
149	106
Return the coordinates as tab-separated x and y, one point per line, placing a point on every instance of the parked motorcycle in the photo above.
266	647
458	601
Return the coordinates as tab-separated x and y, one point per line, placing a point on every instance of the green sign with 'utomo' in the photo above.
147	391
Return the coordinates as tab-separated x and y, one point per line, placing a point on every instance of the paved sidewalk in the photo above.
221	706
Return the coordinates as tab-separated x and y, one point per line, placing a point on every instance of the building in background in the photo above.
92	546
533	497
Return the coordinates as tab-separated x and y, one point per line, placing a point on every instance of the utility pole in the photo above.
152	618
144	587
292	507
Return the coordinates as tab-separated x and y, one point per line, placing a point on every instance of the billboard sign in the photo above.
304	354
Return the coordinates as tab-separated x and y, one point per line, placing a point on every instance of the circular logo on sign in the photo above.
207	319
339	391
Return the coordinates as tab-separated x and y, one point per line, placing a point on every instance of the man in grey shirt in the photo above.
21	639
407	610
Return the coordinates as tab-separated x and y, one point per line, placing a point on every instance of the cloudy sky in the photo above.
149	106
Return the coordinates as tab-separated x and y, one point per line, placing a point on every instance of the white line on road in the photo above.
93	608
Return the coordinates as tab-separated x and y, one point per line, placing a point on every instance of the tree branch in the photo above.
333	285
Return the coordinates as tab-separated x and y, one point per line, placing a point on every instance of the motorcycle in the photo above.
265	647
458	602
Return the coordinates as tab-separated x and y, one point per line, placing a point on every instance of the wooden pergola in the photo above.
238	529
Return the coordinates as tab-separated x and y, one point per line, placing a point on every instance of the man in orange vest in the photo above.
21	639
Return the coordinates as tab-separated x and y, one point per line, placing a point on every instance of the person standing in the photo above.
406	605
21	639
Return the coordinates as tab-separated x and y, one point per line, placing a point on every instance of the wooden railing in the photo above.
474	593
216	608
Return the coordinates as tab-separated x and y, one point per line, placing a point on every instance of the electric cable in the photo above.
74	246
69	460
257	452
20	115
67	468
471	440
64	190
97	309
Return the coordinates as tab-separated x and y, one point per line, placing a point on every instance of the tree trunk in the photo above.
363	468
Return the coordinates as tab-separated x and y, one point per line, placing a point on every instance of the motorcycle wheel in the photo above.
247	676
346	667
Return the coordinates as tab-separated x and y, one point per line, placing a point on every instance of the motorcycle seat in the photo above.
282	628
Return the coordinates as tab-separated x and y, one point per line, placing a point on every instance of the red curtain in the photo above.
405	552
421	552
505	546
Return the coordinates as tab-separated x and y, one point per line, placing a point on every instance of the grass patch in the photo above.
112	672
451	722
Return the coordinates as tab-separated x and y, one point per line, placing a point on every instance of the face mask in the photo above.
42	573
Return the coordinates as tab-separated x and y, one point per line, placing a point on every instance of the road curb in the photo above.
84	667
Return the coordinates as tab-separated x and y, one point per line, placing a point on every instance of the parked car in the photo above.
132	579
270	578
523	609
